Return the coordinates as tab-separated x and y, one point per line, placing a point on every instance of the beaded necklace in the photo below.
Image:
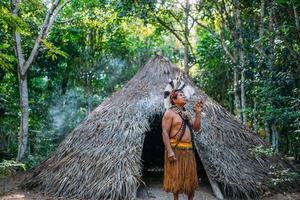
184	114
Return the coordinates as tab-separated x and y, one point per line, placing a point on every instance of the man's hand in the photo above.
171	156
198	107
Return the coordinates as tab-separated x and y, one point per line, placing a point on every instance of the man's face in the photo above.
180	100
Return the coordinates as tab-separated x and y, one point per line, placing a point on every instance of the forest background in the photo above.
61	59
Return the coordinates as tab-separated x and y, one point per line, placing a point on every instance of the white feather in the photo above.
188	91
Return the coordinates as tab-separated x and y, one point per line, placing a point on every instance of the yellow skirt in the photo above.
180	176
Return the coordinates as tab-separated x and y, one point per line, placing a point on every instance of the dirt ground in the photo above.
153	191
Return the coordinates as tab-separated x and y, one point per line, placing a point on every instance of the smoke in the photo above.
70	109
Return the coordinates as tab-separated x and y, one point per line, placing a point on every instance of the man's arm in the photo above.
197	120
166	127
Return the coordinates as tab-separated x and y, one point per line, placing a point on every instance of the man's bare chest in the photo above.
177	120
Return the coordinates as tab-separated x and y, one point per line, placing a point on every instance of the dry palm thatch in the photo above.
101	157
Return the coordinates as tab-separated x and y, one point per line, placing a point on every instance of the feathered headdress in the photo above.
177	84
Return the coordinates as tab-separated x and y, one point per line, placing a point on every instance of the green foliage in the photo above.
31	161
279	178
289	2
9	113
213	74
6	60
283	179
53	51
90	53
8	20
271	79
9	167
262	151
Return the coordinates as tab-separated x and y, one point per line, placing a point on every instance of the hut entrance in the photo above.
153	156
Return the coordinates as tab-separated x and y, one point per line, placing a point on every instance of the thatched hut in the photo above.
101	157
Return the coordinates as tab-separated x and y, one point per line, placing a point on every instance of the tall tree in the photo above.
241	55
178	18
230	31
24	65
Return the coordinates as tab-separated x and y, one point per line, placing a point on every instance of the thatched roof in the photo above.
101	157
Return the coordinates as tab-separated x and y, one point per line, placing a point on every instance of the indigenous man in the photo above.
180	171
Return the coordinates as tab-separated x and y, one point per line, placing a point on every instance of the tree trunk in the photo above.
297	23
267	130
274	137
237	102
255	126
289	144
271	54
261	24
64	84
270	61
186	37
24	106
243	97
186	59
241	53
89	93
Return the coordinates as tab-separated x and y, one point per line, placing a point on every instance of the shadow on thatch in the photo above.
101	157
